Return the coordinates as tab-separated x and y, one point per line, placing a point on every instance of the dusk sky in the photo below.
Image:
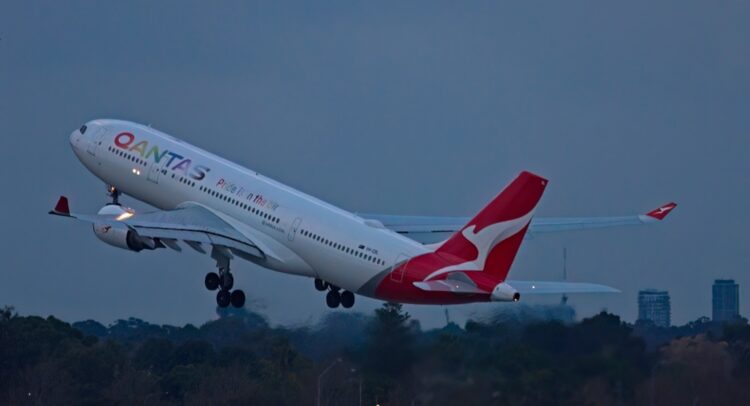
423	108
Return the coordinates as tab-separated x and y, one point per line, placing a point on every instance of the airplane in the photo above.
219	208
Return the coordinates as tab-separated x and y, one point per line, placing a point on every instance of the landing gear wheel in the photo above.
334	287
212	281
320	285
347	299
333	299
237	298
227	281
223	298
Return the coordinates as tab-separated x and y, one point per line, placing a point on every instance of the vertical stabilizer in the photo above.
490	241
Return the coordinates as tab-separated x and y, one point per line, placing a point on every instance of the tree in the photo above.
155	355
389	352
6	313
694	370
391	340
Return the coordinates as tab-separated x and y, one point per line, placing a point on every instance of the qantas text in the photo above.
175	162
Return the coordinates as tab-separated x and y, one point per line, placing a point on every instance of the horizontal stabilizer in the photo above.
448	285
546	287
523	287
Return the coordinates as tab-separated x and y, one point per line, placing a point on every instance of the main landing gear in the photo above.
224	281
335	296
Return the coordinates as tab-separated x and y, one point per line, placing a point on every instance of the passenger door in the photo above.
293	230
155	169
397	275
96	139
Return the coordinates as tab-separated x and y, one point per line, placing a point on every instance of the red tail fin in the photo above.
490	241
662	211
61	208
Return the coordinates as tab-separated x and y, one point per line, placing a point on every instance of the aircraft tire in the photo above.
237	298
212	281
227	281
347	299
333	299
320	285
223	298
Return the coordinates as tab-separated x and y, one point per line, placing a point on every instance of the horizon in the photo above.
521	313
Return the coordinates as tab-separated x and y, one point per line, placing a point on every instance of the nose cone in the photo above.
81	139
75	139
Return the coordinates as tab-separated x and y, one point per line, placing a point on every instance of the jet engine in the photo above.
505	293
118	234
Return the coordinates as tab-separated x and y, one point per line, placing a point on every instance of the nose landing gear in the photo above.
224	281
114	194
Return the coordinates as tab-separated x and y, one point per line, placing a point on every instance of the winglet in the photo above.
61	208
662	211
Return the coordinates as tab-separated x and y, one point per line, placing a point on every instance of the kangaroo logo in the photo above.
484	241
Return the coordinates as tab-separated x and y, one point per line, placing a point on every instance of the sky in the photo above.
422	108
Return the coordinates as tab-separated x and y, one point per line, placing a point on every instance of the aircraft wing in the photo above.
429	229
192	224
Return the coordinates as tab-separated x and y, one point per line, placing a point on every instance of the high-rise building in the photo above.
726	300
654	305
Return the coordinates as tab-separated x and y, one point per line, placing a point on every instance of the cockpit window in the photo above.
82	129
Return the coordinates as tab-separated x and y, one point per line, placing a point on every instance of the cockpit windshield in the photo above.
82	129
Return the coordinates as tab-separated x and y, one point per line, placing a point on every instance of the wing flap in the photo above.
171	244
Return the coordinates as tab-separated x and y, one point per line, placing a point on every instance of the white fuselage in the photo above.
305	236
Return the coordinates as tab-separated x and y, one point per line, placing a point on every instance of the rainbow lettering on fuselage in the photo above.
174	162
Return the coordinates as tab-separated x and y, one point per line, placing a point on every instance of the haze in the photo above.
406	108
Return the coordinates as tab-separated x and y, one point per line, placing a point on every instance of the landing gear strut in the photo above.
224	281
335	295
114	194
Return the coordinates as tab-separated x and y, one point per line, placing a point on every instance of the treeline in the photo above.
384	358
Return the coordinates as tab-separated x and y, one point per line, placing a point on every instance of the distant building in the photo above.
726	300
654	305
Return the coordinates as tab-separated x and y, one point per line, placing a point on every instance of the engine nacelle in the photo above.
118	234
505	293
116	211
